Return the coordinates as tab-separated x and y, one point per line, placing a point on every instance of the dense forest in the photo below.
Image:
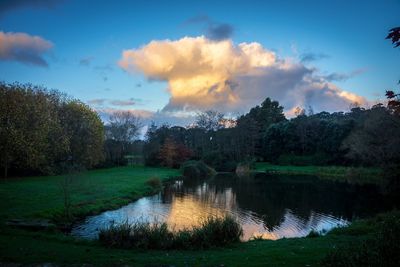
45	132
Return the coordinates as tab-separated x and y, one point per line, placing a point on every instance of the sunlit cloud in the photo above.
24	48
206	74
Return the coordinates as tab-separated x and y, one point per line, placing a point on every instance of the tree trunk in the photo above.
5	170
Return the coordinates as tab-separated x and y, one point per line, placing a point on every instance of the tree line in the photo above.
362	137
44	132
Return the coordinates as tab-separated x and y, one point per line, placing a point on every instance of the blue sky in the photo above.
344	41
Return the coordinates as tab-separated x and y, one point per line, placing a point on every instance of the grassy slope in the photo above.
100	189
350	174
91	191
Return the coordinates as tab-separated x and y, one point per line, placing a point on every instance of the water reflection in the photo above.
269	206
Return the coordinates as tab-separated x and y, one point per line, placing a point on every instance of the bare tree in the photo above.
123	126
210	120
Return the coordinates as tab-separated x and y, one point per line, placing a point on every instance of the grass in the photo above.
213	232
93	191
380	249
90	192
341	173
29	247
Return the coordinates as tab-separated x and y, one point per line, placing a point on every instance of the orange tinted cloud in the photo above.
208	74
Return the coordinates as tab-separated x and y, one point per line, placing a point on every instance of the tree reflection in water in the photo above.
269	206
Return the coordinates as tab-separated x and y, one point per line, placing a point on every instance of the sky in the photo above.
167	60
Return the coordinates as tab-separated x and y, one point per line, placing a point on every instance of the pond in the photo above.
267	206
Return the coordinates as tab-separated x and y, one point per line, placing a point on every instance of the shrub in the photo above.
196	169
216	231
313	234
154	182
382	249
245	167
212	232
220	161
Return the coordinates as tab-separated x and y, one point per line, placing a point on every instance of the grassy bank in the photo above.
350	174
90	192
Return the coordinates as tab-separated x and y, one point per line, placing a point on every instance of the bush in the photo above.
382	249
245	167
313	233
220	161
154	182
212	232
196	169
217	232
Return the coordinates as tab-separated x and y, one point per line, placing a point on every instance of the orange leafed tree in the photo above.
172	154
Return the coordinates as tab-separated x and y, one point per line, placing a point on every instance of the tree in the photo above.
123	126
173	154
85	133
40	130
259	119
210	120
31	136
394	35
393	103
121	131
375	139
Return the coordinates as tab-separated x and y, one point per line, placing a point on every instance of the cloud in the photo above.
219	31
24	48
335	76
103	71
206	74
310	57
198	19
213	30
102	102
86	61
99	101
7	5
129	102
147	116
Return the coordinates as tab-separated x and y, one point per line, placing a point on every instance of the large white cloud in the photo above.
206	74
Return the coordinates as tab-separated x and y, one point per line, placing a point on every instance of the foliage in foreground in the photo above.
213	232
381	249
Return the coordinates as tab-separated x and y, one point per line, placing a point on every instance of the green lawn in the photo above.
350	174
93	191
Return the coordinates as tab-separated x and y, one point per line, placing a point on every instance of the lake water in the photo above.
273	207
